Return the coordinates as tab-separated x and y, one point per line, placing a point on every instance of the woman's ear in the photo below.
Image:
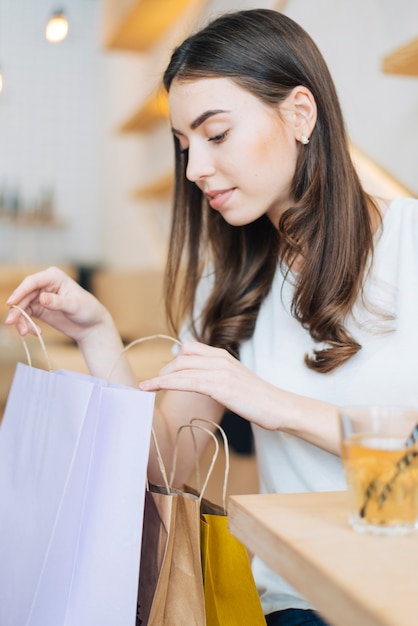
303	106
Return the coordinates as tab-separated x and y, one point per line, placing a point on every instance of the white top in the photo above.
385	371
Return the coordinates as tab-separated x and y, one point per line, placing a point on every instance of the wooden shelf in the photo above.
32	221
154	110
403	61
136	25
160	188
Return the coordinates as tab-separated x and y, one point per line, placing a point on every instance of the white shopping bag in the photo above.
73	458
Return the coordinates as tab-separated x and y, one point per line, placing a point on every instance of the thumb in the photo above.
50	300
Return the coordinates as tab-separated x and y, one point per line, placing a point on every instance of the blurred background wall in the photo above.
83	183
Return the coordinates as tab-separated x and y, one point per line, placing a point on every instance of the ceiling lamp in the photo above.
57	27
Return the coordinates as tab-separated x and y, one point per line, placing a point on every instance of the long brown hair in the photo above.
328	226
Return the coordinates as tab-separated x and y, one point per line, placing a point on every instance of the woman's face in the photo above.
241	152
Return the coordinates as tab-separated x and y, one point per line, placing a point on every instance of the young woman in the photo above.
297	287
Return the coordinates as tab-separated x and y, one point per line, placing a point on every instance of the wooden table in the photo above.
353	579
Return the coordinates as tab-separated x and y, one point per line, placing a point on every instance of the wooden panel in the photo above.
160	188
375	179
403	61
148	114
142	23
135	300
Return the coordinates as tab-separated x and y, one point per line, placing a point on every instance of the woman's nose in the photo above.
199	166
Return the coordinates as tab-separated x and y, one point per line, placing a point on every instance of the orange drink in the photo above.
380	459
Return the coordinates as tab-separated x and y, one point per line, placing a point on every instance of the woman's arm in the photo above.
215	374
174	410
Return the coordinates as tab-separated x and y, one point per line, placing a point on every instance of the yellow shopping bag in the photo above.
231	597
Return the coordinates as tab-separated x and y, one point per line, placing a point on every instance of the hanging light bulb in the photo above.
57	27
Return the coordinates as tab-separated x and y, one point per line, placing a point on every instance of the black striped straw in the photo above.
412	437
400	466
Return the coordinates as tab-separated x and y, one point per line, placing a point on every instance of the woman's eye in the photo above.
219	138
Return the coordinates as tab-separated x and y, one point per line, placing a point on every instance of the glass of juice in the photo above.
379	449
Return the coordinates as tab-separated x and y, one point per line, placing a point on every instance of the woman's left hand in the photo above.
215	373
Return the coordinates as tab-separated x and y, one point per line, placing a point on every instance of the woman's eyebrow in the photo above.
200	119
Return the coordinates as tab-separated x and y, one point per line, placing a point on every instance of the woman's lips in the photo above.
217	199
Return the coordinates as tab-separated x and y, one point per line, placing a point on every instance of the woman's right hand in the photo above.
56	299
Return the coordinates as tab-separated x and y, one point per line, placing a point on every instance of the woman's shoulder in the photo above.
397	204
400	210
398	224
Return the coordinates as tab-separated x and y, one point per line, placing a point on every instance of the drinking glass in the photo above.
379	450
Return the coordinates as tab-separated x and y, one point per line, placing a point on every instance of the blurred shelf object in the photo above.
152	111
403	60
136	25
159	188
28	220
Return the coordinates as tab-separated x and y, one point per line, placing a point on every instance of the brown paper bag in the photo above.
170	579
157	547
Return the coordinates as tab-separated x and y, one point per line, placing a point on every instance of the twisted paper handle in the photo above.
213	461
136	342
168	483
38	333
226	448
130	345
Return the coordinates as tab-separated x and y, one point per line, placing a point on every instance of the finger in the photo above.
187	362
24	302
69	305
51	301
198	348
26	291
190	380
32	285
168	383
14	315
24	328
23	325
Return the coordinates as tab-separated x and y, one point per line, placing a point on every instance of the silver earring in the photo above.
304	140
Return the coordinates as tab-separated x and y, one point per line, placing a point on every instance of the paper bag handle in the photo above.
136	342
213	461
157	448
226	449
38	333
160	462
